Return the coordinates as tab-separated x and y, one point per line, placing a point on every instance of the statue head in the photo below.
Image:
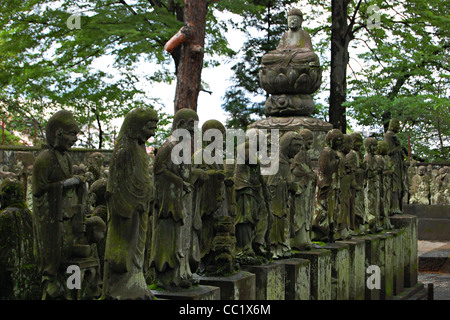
347	144
95	159
357	140
95	229
290	143
394	125
185	119
213	124
382	148
371	145
334	139
295	19
12	192
422	170
307	138
139	124
61	130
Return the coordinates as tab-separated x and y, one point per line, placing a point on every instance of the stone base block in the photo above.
409	225
200	292
357	270
320	272
270	280
397	261
340	267
297	281
239	286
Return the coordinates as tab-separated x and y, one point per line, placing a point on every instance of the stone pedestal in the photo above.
239	286
270	280
398	265
408	224
387	287
297	280
297	123
357	270
340	267
374	265
320	272
194	293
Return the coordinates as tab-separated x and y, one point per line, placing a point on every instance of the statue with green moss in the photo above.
282	188
211	199
59	205
94	164
19	275
420	187
175	251
128	196
252	208
97	200
385	171
302	208
324	222
343	197
397	155
372	187
357	208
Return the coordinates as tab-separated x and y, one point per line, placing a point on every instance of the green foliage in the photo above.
95	70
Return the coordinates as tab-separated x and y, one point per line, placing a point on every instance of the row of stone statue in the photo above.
428	185
165	221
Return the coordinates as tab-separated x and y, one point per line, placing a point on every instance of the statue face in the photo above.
188	124
294	22
65	139
294	147
307	143
148	130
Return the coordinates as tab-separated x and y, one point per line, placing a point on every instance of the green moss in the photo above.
320	243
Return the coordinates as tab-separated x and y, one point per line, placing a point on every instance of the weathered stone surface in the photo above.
320	275
270	280
397	261
387	287
193	293
357	270
239	286
410	255
297	281
340	267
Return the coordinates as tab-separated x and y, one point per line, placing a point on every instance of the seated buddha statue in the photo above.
295	46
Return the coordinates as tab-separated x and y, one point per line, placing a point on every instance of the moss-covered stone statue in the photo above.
302	208
420	187
372	189
385	172
19	275
94	163
128	197
252	209
291	72
59	205
283	188
357	208
211	201
97	199
324	222
397	155
175	251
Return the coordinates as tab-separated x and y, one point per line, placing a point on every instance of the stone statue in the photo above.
95	164
175	252
128	196
19	275
324	223
420	187
212	205
443	181
397	155
97	199
302	208
345	178
357	215
252	209
282	188
372	187
291	73
385	172
59	204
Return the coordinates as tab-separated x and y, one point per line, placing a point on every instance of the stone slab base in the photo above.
297	280
270	280
239	286
357	270
200	292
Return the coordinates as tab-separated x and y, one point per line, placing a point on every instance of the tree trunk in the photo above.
190	40
341	36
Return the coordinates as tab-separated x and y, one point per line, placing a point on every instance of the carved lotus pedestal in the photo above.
290	88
